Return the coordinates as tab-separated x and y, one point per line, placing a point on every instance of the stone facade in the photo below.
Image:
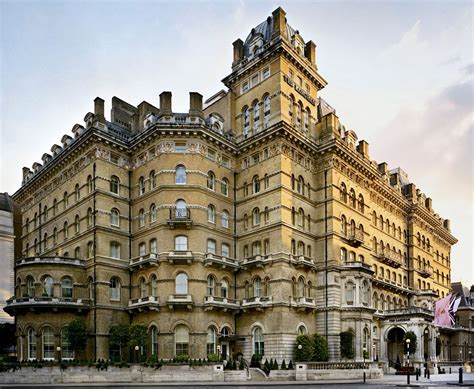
229	228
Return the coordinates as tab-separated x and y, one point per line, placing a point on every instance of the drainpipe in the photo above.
95	257
129	237
326	252
235	247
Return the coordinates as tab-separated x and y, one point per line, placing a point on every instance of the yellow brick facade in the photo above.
257	215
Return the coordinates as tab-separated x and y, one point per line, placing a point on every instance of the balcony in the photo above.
219	261
390	258
143	261
50	261
408	311
180	218
303	261
180	301
358	266
147	303
425	271
258	303
255	261
36	304
304	303
355	238
178	256
223	303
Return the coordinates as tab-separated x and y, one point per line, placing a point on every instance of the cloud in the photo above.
409	43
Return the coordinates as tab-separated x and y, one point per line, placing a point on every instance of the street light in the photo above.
460	355
364	351
58	349
136	351
300	347
407	341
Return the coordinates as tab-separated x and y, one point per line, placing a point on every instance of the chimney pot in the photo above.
99	107
195	104
165	103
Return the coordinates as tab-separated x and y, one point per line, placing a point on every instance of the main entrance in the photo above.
395	346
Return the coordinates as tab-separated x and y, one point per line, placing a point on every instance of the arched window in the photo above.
211	180
55	236
361	203
77	252
225	250
154	340
65	231
366	343
153	246
181	243
90	218
291	107
306	119
365	293
300	248
302	330
153	213
77	193
211	340
90	184
45	242
343	225
225	219
266	215
31	344
181	340
90	249
66	287
256	184
349	288
211	285
141	185
154	286
258	341
180	177
55	207
65	201
352	196
48	343
114	289
30	286
343	192
143	288
301	287
211	246
256	248
225	187
48	286
115	217
77	225
301	217
224	289
152	180
256	116
181	283
256	216
343	255
142	249
115	185
266	111
299	109
181	210
115	250
141	218
211	213
257	287
246	122
266	181
300	185
45	213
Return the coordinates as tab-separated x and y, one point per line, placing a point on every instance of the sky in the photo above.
400	74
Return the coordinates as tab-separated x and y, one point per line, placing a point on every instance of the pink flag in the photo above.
444	312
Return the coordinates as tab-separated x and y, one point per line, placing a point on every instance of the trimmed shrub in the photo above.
283	365
304	348
347	349
321	353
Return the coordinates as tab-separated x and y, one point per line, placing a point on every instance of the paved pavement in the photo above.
435	381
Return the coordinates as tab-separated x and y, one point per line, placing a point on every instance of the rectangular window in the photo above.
226	162
225	250
265	153
290	74
254	80
211	246
211	154
266	73
114	158
255	159
151	152
299	80
180	147
245	87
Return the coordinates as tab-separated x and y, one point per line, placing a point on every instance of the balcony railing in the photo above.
355	238
390	258
212	259
151	303
305	302
358	265
50	261
425	271
408	311
223	303
144	260
256	260
256	302
302	260
180	300
45	303
180	256
180	217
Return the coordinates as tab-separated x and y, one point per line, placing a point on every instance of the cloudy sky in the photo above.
400	74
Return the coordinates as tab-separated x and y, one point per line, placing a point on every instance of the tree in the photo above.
347	348
7	340
119	336
413	342
76	334
320	353
304	348
138	336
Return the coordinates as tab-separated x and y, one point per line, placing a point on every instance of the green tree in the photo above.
347	349
304	348
76	334
138	336
320	353
413	342
119	337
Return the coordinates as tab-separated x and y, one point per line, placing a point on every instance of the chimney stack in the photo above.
310	52
195	104
447	224
383	168
363	148
279	22
165	103
410	191
429	204
99	109
238	50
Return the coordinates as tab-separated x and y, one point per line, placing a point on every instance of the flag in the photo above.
445	310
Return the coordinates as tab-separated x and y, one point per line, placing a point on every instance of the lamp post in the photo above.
460	355
136	351
407	341
364	351
58	349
